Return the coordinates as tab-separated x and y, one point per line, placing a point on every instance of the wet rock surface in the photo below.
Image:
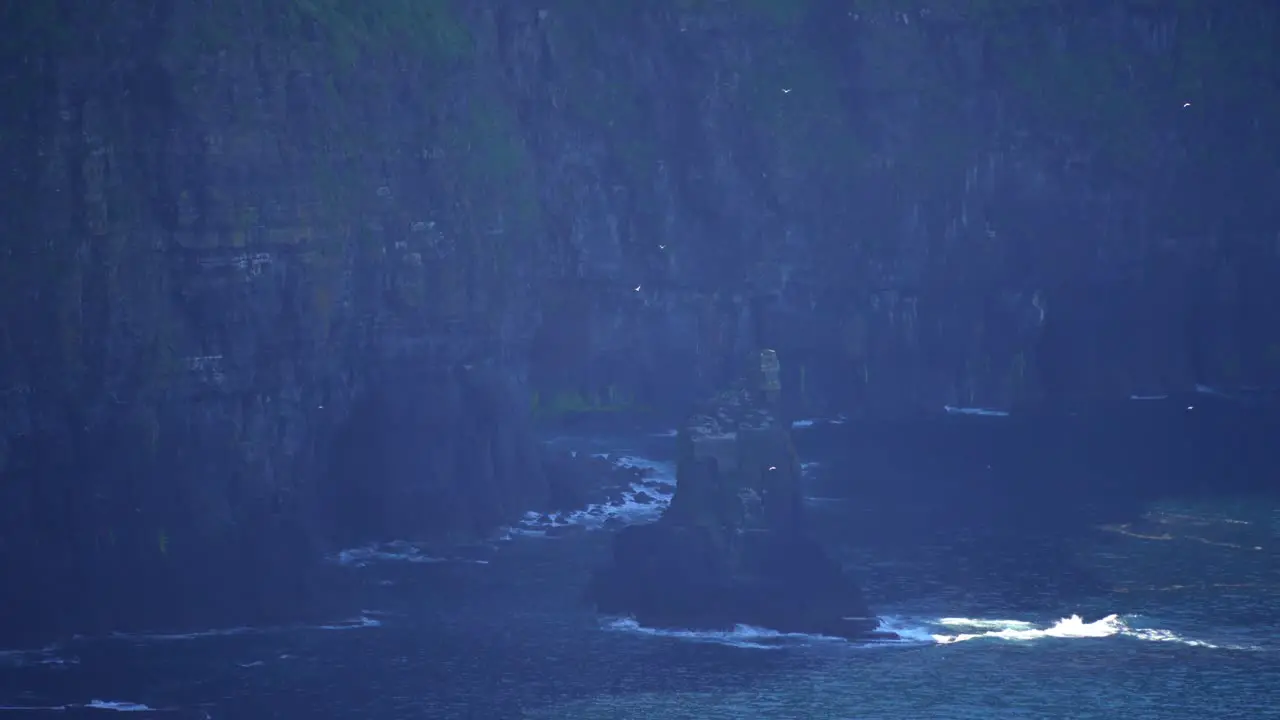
732	548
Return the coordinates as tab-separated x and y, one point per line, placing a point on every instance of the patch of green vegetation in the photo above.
1071	91
780	12
615	111
488	167
786	13
565	403
1069	77
689	5
1273	354
639	156
494	143
355	27
1081	77
30	27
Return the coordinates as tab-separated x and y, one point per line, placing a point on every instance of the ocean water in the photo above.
1041	603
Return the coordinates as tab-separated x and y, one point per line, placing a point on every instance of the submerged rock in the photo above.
732	548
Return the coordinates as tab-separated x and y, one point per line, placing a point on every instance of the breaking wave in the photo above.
1074	627
936	632
640	501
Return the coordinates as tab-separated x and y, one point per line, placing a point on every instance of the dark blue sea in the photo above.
1074	568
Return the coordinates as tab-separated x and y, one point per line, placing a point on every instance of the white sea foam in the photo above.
807	470
950	630
108	705
640	501
742	636
118	706
937	632
394	551
50	656
1210	390
983	412
356	623
361	621
813	422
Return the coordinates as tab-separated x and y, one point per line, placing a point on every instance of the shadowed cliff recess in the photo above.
235	235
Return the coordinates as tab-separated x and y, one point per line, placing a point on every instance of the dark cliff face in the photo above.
242	240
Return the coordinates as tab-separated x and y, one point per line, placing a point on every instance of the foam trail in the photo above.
908	631
196	635
1244	394
742	636
756	638
118	706
811	422
1148	397
983	412
109	705
43	656
1210	390
397	551
357	623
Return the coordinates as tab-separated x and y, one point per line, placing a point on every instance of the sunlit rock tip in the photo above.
732	549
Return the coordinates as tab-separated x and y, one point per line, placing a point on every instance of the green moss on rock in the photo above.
483	162
567	403
781	12
355	27
31	27
784	13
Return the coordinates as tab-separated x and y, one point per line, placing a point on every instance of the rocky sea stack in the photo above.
733	549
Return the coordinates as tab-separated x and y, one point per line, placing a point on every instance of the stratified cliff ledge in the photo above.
238	237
